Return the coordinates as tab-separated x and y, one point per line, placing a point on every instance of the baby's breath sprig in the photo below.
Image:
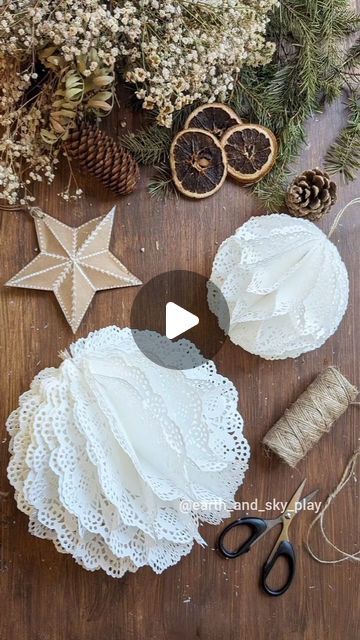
58	60
178	53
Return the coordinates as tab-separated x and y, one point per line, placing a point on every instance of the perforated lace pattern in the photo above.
285	284
105	448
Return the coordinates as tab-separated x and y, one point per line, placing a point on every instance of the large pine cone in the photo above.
101	157
311	194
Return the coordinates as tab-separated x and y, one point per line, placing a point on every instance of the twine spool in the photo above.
311	415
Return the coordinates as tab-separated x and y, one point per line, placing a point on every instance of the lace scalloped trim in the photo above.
88	479
285	284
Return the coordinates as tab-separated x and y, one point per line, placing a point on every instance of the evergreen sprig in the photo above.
311	68
149	146
344	154
162	185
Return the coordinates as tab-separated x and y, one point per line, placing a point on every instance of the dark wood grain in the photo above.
45	595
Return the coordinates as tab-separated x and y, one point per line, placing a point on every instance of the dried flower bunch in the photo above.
179	52
306	73
57	63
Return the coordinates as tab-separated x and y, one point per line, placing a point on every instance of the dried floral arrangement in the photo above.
56	62
182	52
60	61
311	67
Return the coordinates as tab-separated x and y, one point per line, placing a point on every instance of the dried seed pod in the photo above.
198	163
250	151
215	117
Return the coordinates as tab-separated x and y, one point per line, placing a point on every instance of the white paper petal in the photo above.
105	448
285	285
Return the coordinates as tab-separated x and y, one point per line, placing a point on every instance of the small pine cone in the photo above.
311	195
104	159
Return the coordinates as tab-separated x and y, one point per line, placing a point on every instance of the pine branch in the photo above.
352	59
307	72
148	146
162	186
344	155
271	189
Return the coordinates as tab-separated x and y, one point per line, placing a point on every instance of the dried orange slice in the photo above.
251	151
198	163
214	117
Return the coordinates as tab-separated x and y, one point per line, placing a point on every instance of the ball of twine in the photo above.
311	415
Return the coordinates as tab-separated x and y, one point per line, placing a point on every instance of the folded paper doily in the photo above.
108	448
285	284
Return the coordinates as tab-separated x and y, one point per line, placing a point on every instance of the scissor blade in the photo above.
290	507
300	505
308	498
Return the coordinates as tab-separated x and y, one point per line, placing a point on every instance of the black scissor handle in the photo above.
284	550
257	526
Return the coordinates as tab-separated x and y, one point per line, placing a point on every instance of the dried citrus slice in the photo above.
198	163
250	151
215	117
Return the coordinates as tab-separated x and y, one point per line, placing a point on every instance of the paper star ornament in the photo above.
74	263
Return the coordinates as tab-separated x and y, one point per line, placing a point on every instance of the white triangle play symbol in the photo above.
178	320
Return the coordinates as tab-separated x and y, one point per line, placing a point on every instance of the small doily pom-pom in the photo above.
285	285
107	448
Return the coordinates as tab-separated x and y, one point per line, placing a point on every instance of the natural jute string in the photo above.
340	214
347	475
311	415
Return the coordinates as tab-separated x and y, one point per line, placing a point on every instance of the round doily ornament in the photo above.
112	454
285	285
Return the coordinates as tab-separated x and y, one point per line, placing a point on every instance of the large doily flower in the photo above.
107	448
285	285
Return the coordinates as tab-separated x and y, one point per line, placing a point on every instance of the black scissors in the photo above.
283	547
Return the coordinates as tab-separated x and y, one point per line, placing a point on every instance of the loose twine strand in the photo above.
350	467
340	214
347	475
311	415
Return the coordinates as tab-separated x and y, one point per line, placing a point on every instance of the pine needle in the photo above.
149	146
344	154
162	186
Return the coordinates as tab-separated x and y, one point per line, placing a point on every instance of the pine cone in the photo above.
101	157
311	194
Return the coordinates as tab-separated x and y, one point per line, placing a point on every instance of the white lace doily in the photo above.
107	447
285	285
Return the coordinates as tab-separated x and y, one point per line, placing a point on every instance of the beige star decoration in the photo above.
74	263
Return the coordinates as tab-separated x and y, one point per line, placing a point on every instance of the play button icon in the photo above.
178	320
171	322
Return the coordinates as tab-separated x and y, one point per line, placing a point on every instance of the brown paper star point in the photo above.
74	263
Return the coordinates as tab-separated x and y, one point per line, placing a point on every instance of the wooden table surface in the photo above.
45	595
